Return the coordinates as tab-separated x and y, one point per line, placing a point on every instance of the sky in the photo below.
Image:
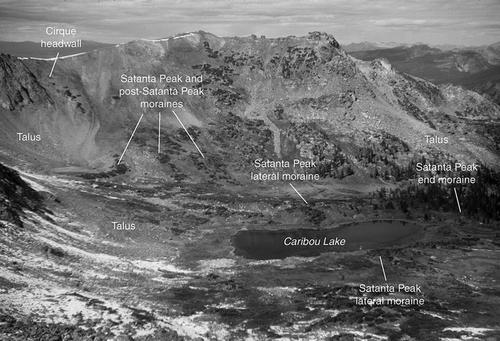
459	22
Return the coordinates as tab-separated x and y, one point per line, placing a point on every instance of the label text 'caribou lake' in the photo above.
278	244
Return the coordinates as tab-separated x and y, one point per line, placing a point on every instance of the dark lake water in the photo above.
265	244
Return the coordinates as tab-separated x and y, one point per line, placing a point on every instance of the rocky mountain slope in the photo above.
475	68
283	83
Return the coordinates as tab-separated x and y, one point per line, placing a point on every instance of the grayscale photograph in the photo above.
249	170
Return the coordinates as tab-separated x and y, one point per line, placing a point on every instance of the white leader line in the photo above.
382	265
54	65
130	139
159	131
299	194
187	132
458	202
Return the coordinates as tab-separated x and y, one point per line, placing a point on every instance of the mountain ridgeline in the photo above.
474	68
241	99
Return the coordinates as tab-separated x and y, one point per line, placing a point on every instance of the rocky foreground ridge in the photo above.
16	196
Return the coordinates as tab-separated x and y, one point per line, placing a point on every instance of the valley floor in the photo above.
70	275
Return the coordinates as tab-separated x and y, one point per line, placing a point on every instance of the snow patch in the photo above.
472	330
36	186
158	266
220	263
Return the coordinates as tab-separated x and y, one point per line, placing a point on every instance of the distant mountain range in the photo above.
34	50
475	68
368	46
